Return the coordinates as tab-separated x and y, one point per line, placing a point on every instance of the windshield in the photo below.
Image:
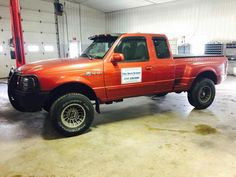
99	48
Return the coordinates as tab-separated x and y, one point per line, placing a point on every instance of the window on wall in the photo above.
48	48
161	47
74	49
133	49
1	48
33	48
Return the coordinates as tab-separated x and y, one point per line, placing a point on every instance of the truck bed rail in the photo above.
195	56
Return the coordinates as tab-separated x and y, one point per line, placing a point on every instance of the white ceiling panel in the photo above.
115	5
159	1
108	5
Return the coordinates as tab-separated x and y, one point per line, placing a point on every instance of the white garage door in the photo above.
39	32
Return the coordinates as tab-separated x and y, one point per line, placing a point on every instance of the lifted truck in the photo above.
112	68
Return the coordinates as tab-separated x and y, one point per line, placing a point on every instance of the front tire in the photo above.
202	93
72	114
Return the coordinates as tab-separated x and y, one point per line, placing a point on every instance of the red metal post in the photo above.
17	32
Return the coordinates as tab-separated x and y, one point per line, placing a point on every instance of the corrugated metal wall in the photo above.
209	19
79	22
93	22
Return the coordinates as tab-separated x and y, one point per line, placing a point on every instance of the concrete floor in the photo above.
138	137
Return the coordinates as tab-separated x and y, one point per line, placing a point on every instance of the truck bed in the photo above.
188	67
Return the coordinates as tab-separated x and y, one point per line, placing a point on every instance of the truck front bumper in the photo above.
25	101
28	102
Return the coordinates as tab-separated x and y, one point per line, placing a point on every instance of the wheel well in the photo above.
206	74
209	75
68	88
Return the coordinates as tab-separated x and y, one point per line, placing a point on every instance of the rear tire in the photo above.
202	93
72	114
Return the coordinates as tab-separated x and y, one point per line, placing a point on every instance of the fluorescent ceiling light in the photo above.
48	48
33	48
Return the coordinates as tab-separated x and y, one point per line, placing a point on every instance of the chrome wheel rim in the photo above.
73	115
205	94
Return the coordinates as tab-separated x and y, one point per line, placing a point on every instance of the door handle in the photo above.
148	67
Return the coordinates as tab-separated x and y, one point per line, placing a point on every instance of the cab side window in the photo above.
161	47
133	48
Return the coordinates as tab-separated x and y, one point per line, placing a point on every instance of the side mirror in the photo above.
117	57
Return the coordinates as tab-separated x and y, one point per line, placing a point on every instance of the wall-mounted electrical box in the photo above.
215	48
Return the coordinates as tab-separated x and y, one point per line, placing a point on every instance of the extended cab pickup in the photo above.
113	67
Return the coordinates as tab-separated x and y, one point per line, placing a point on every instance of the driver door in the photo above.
132	77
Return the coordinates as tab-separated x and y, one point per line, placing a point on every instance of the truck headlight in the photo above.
28	83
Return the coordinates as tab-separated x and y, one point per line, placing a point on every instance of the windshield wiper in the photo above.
87	55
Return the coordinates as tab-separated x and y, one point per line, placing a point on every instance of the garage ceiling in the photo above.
114	5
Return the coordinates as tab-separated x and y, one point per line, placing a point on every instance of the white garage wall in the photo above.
208	19
5	35
79	22
92	23
39	29
38	25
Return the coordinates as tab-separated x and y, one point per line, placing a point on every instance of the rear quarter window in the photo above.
161	47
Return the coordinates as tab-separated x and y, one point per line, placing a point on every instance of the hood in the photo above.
57	65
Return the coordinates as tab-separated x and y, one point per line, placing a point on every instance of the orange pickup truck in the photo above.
113	67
